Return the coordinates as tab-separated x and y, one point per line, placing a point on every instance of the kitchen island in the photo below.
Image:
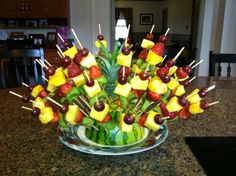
29	148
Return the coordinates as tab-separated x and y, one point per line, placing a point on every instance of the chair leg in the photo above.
36	72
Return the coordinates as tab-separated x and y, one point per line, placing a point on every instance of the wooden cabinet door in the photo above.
48	8
13	9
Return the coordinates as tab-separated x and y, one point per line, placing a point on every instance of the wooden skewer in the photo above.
197	63
210	88
213	103
152	28
192	63
164	118
95	128
40	63
147	67
61	52
27	108
167	31
85	102
61	38
73	44
26	85
18	95
177	55
164	57
45	78
192	79
123	71
47	62
53	101
127	35
83	111
77	39
99	29
87	76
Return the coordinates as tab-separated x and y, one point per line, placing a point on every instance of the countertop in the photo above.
29	148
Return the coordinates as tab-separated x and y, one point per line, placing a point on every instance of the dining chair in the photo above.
19	63
216	59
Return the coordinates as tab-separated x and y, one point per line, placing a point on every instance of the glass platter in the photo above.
75	138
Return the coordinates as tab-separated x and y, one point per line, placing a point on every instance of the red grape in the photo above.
129	119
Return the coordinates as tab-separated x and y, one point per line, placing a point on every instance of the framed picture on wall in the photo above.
146	19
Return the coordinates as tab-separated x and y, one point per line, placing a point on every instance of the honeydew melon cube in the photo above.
88	61
46	115
72	113
147	44
173	105
150	122
123	126
79	80
94	90
123	90
97	43
195	108
39	103
71	52
99	116
139	84
125	60
153	58
36	90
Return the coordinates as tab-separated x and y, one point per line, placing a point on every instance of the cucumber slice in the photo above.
145	105
87	122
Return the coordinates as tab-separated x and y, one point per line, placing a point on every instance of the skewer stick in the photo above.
167	31
61	52
192	63
152	28
73	44
61	38
45	78
147	67
177	55
81	106
77	39
127	35
53	101
210	88
164	57
192	79
47	62
85	102
197	63
213	103
123	71
13	93
165	118
86	75
40	63
99	29
26	85
27	108
95	128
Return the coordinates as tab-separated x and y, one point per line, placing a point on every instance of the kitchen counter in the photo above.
29	148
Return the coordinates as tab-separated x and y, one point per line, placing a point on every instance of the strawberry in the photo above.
143	54
106	119
95	72
79	117
65	88
43	94
153	96
184	114
181	73
166	113
55	117
73	70
138	93
142	119
162	71
158	48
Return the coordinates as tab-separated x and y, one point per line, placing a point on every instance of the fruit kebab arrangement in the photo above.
114	95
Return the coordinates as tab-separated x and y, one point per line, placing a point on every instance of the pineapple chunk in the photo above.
173	83
123	126
147	44
71	52
94	90
136	69
51	88
39	103
173	105
79	80
88	61
36	90
65	71
125	60
172	70
46	115
97	43
72	113
99	116
195	108
179	90
157	86
193	97
153	58
123	90
139	84
181	79
150	122
58	78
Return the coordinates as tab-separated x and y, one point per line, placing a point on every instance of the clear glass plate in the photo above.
75	138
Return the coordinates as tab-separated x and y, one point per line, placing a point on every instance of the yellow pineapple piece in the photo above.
72	113
99	116
172	70
94	90
195	108
71	52
147	44
125	60
51	88
173	105
123	90
123	126
193	97
39	103
136	69
97	44
139	84
153	58
173	83
179	90
36	90
46	115
79	80
150	122
58	78
157	86
88	61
